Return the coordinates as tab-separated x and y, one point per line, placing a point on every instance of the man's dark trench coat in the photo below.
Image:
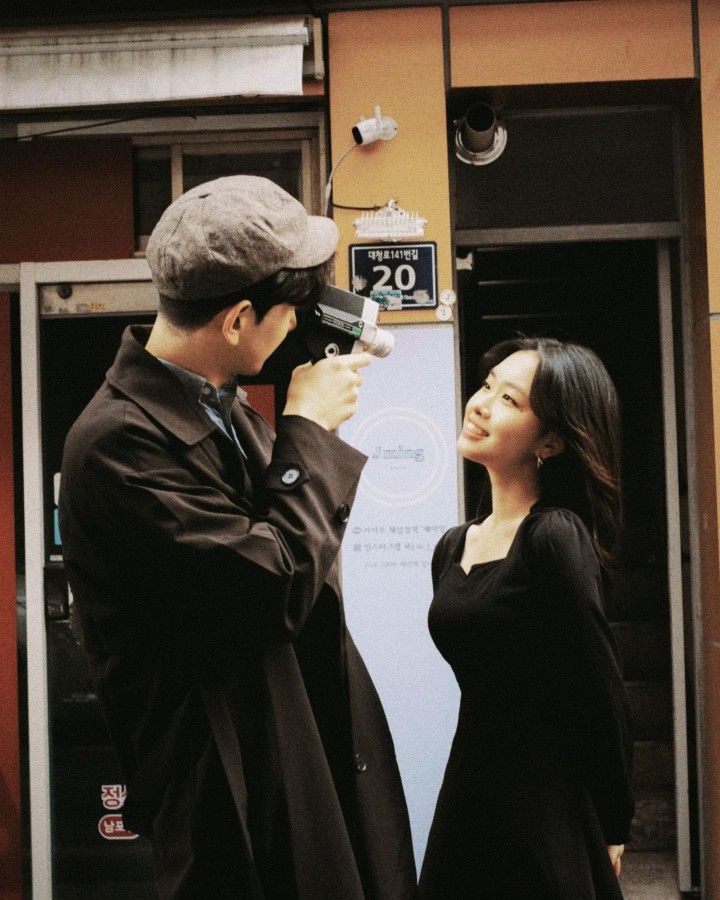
256	751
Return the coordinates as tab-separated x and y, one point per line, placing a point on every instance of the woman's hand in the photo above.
616	851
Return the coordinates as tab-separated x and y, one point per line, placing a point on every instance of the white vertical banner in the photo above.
407	498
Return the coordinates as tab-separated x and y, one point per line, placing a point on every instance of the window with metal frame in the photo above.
165	166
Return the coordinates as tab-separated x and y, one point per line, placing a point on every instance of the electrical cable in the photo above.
328	186
359	208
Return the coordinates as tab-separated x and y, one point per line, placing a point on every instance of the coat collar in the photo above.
146	381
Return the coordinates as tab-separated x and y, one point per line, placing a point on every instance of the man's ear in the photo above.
235	318
551	444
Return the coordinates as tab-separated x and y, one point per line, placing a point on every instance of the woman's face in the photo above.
500	429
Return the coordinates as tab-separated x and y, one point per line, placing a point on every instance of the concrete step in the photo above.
653	827
653	764
649	876
651	710
644	649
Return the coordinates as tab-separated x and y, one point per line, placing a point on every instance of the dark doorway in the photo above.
92	857
603	295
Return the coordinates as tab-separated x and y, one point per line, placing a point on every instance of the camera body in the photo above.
342	322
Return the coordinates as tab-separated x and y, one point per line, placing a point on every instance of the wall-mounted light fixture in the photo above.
480	136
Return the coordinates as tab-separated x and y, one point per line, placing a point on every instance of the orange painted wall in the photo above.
393	58
559	43
709	26
9	737
63	199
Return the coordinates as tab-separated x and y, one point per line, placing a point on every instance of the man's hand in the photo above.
616	851
327	392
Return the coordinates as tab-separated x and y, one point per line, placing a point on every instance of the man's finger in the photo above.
357	360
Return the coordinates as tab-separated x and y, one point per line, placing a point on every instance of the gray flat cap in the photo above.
224	235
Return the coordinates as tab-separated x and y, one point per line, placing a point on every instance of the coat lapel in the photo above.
257	446
256	441
146	381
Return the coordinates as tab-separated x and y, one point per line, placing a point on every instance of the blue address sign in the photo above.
398	276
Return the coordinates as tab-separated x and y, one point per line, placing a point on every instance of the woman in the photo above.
536	802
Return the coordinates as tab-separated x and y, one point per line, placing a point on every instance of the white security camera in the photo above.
382	128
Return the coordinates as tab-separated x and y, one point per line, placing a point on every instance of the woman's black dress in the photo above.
537	783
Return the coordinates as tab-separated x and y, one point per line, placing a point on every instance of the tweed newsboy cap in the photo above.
224	235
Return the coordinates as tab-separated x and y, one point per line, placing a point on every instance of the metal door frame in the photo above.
674	563
32	275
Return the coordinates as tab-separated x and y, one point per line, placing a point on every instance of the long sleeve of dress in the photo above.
444	548
587	657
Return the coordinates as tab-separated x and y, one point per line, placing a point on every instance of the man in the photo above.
200	548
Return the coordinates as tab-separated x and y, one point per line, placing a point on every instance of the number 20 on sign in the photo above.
404	273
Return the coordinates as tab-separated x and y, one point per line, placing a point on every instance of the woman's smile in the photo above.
475	431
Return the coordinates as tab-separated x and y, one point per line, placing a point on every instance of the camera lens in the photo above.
377	341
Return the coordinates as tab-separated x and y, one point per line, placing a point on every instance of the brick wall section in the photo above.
9	738
65	199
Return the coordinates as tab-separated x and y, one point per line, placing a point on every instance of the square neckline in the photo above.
488	562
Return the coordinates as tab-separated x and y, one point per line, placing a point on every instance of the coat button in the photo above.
360	762
290	476
342	513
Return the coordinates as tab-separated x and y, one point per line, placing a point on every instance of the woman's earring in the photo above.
539	462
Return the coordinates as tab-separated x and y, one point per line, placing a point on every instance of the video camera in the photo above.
342	322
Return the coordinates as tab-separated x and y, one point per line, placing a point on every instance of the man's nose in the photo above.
293	321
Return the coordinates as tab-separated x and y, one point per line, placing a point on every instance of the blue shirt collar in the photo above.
200	389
